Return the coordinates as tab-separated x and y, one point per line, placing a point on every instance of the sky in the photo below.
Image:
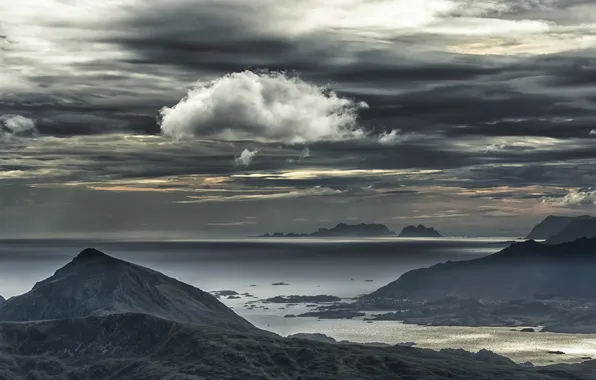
215	118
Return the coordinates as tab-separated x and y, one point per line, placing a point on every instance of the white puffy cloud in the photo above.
246	157
593	132
15	126
262	107
575	198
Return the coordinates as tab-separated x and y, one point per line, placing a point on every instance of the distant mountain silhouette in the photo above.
577	228
419	231
2	300
521	271
552	225
95	284
343	230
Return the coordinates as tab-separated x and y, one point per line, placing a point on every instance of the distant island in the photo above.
560	229
362	230
343	230
419	231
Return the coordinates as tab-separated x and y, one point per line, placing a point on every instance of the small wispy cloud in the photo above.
246	157
231	224
304	154
294	193
495	147
392	138
432	216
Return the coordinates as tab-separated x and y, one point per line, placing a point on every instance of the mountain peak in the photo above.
90	254
94	283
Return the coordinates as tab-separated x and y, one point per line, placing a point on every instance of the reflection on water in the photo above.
334	267
518	346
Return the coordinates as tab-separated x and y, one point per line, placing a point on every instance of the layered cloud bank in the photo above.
263	107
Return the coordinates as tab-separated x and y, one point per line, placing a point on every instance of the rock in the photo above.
224	293
419	231
302	299
233	297
279	284
527	329
556	352
290	316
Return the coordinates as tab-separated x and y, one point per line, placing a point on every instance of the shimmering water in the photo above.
343	268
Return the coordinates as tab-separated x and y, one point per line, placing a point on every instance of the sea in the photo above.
345	268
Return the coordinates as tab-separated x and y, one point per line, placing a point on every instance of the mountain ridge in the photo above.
553	225
94	283
532	270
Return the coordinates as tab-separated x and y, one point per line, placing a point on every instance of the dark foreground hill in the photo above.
343	230
553	225
525	270
95	338
143	347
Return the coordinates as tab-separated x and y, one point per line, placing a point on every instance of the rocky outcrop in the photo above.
419	231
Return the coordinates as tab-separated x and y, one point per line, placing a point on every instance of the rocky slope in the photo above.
525	270
344	230
94	283
553	225
143	347
419	231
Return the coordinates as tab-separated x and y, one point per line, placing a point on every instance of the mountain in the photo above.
116	320
521	271
94	283
2	300
343	230
553	225
575	229
419	231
